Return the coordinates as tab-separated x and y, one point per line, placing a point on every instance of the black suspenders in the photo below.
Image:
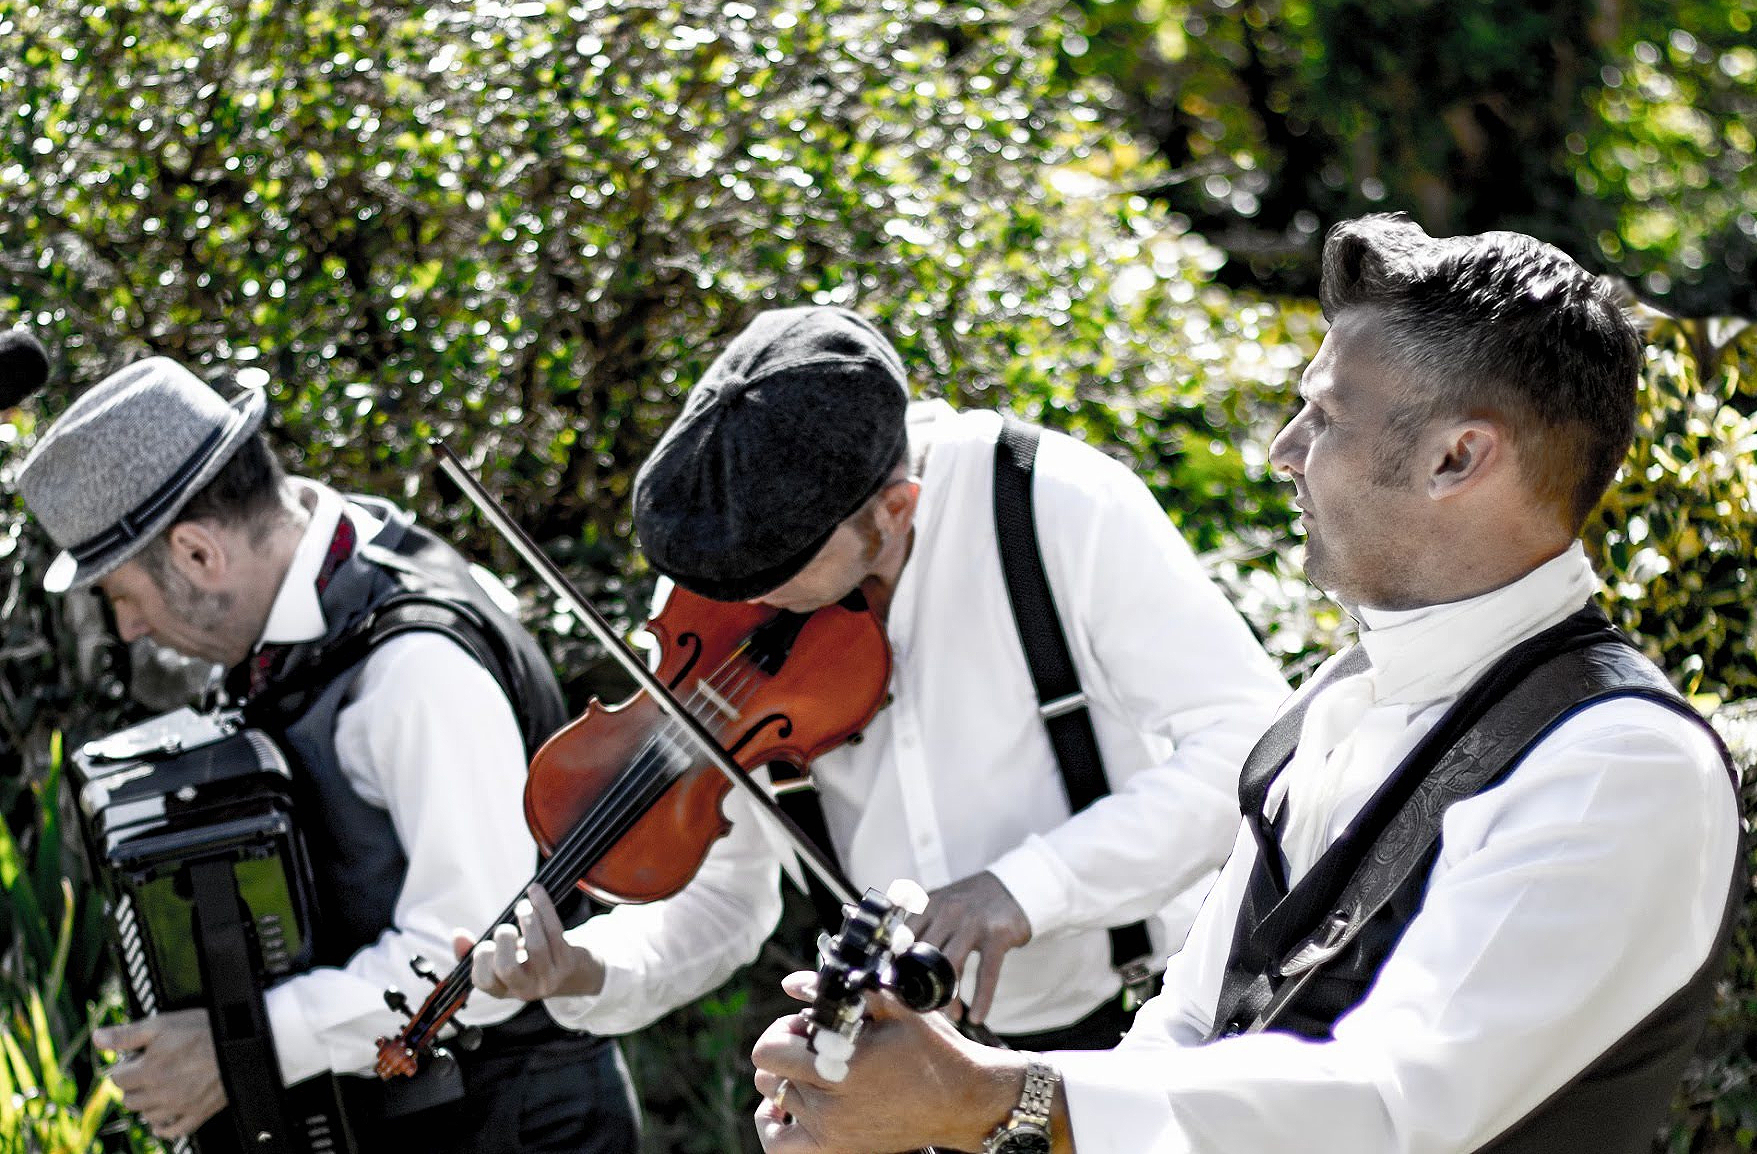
1060	700
1061	703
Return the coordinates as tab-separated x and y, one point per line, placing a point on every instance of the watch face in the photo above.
1023	1140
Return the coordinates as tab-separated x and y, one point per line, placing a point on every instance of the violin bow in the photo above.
825	869
814	858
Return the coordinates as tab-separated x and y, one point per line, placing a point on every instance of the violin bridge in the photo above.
726	708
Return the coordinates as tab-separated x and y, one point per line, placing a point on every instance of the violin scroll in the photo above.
873	950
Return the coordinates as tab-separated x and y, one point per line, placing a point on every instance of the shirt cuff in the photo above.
1116	1105
576	1011
297	1048
1035	877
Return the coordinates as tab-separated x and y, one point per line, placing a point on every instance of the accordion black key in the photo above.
189	824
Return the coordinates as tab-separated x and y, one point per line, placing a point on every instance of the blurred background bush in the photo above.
528	226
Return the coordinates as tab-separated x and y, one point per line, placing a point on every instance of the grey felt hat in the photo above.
788	433
124	458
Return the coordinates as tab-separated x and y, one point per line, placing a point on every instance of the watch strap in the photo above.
1036	1104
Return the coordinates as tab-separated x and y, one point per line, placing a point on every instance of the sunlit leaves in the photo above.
530	227
1621	132
1675	153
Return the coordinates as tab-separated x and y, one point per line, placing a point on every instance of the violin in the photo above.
626	800
622	804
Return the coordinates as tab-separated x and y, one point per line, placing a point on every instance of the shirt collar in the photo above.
297	614
926	423
1436	651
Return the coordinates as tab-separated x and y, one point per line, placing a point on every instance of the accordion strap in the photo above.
243	1047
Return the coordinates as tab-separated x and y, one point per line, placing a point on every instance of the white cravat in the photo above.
1419	656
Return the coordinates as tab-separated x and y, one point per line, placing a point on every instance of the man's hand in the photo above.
976	915
168	1074
912	1082
532	960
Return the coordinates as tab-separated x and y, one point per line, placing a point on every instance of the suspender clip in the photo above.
1138	982
1323	945
1050	710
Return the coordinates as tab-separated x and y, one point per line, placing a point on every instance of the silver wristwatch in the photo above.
1026	1130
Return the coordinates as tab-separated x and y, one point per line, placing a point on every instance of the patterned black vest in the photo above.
404	579
1302	958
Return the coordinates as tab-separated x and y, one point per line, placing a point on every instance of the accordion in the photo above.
188	824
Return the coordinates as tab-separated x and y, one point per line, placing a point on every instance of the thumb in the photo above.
461	944
801	985
882	1005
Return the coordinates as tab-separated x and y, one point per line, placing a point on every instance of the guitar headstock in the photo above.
874	949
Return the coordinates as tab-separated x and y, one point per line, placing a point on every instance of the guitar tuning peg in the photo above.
923	978
398	1001
907	893
834	1046
833	1052
423	969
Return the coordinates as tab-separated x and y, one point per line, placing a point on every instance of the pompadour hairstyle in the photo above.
1498	326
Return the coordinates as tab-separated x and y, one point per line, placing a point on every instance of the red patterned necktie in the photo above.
341	547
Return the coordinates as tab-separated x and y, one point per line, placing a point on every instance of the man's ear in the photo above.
897	502
201	554
1469	452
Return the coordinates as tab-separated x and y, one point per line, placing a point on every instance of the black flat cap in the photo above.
788	433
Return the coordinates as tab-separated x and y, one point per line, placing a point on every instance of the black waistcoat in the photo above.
404	579
1303	958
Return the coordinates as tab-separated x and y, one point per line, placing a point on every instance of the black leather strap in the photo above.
243	1046
1242	993
1061	702
1481	738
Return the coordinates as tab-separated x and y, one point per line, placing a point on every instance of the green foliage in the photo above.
51	932
1670	151
51	946
1716	1109
43	1108
1621	132
1676	538
529	226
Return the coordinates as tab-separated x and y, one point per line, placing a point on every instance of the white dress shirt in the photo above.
957	775
1566	904
428	736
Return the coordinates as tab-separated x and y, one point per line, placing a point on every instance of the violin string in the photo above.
623	799
588	838
636	783
633	792
623	803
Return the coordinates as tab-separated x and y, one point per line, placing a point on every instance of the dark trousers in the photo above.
1102	1029
568	1093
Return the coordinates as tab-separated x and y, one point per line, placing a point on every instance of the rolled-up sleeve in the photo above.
1158	644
